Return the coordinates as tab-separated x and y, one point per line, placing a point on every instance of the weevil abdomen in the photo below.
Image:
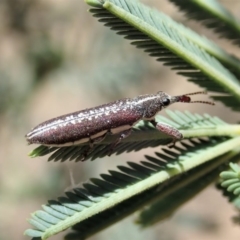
86	125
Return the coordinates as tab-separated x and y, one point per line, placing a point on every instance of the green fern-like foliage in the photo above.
172	176
104	194
229	185
160	37
210	13
165	207
231	179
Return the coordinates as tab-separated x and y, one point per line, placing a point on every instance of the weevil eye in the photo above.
166	102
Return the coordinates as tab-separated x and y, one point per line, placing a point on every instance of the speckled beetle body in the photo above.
93	124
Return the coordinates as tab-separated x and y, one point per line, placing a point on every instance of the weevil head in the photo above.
164	99
167	100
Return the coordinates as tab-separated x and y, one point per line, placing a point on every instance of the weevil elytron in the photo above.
93	124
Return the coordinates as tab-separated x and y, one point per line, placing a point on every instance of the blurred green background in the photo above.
56	58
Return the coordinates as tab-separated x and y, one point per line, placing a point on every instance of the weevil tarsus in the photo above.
123	135
88	149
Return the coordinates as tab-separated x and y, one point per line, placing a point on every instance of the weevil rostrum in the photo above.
93	124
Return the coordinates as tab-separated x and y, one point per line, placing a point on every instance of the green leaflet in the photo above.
116	187
160	38
197	180
229	185
211	13
231	179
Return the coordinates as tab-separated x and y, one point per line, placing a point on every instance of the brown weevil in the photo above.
93	124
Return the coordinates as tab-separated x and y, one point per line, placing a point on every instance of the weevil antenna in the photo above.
186	99
196	93
204	102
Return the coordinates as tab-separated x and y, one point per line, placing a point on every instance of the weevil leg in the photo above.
123	135
91	145
169	130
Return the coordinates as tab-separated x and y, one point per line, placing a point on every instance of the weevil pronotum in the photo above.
93	124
